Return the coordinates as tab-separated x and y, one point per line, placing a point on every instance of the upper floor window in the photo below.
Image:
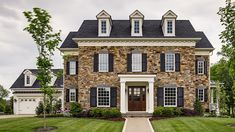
103	62
27	79
170	62
200	67
103	97
72	94
169	26
201	95
170	97
136	62
136	26
103	26
72	67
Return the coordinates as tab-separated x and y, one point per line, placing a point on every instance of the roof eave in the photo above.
205	49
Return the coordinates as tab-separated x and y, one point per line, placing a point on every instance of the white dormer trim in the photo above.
103	16
28	75
169	16
136	17
53	79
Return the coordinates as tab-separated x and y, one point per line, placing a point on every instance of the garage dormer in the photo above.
136	20
168	23
29	78
104	24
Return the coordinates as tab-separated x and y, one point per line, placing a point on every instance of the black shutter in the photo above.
162	62
129	62
111	62
76	95
205	67
180	97
196	67
67	95
160	99
205	95
67	68
196	93
177	62
93	97
113	96
144	62
76	67
96	62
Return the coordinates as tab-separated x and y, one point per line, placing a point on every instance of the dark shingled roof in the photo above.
19	83
122	29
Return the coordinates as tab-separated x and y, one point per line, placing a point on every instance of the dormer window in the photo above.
27	79
136	20
103	26
169	26
168	23
137	26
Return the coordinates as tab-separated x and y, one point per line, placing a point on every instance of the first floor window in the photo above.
200	67
72	94
103	97
103	62
170	97
136	62
72	67
201	95
170	62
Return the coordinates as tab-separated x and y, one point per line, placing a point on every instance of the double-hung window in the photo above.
136	26
201	95
103	97
136	62
72	95
27	79
200	67
103	62
169	26
170	96
103	26
72	67
170	62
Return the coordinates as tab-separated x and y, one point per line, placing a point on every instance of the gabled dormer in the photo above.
136	20
168	23
29	78
53	79
104	24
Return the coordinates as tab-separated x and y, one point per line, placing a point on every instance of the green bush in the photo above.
105	112
39	109
75	109
158	111
198	107
178	111
96	112
167	112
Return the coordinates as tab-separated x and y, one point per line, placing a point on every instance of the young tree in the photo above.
46	41
3	92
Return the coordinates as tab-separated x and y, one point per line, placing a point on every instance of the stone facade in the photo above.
86	78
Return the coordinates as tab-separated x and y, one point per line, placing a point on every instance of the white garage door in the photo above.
27	105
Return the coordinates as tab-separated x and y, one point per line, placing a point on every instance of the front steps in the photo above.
137	114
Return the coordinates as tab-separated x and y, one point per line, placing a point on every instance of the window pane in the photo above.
169	27
136	26
170	97
200	67
72	67
136	62
103	97
170	62
103	26
72	93
201	95
27	79
103	62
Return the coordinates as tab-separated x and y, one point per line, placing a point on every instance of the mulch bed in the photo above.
47	129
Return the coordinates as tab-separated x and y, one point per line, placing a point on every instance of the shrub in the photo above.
189	112
168	112
8	109
198	107
158	111
105	112
39	109
96	112
178	111
85	113
75	109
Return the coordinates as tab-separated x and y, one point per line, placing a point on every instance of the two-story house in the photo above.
136	64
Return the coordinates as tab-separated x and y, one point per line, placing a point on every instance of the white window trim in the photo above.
173	63
202	94
97	97
175	98
100	70
70	68
105	27
166	26
203	70
133	27
140	70
70	91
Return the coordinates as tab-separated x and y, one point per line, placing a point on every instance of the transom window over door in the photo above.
136	26
103	97
170	62
72	93
136	62
103	62
103	26
169	26
201	95
170	97
200	67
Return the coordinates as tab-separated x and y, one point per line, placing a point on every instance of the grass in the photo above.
63	124
193	124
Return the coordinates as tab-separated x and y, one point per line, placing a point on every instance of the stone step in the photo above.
137	114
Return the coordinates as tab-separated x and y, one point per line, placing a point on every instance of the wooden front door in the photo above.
136	98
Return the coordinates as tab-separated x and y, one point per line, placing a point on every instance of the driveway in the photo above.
14	116
138	125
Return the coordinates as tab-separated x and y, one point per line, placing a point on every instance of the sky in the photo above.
18	51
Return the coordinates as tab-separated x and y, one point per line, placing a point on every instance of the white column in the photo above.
212	96
62	99
122	97
151	97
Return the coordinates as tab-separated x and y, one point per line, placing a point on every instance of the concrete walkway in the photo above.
137	125
14	116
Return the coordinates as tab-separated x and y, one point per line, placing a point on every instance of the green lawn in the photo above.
63	124
193	124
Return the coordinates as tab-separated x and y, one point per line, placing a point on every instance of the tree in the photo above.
46	41
3	92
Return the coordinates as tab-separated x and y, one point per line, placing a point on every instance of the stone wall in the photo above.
185	78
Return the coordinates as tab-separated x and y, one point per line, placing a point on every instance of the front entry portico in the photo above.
136	93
